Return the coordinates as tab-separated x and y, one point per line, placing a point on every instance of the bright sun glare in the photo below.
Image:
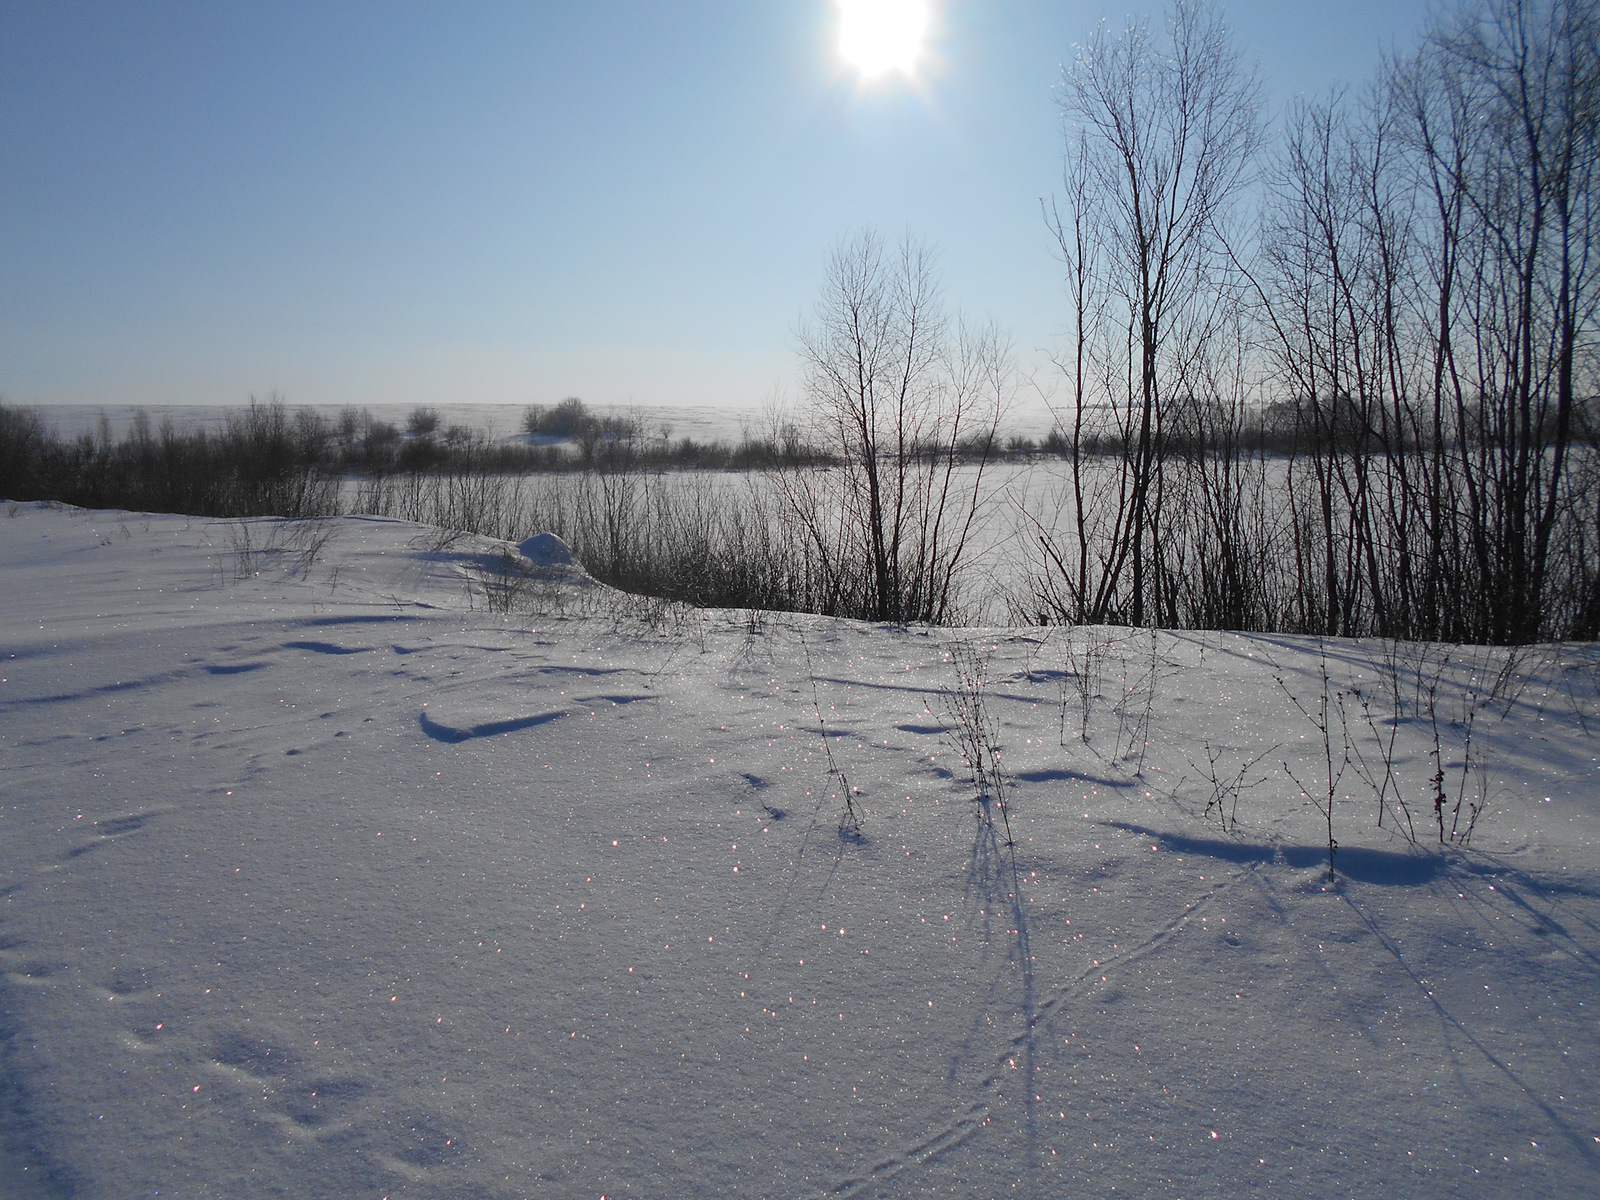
879	36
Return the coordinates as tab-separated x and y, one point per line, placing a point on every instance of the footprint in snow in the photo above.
422	1139
246	1052
325	648
317	1102
304	1106
128	982
116	826
108	830
39	973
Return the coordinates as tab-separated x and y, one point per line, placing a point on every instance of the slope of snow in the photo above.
358	860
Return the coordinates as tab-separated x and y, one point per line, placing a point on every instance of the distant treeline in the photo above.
270	460
265	461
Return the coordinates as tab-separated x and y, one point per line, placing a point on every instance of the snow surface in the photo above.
325	876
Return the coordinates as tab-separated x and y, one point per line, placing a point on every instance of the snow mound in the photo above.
546	550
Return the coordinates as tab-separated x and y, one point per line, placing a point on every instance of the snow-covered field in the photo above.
324	876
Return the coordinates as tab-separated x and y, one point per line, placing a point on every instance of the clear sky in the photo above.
632	202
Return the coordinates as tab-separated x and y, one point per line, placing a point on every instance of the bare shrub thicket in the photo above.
633	516
265	461
1371	407
295	544
702	538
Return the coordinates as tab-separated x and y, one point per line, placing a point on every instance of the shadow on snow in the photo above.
447	733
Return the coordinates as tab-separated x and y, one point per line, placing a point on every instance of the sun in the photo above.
877	37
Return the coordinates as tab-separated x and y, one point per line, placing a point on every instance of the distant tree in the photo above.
568	419
423	421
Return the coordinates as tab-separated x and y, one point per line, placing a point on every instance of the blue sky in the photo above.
514	202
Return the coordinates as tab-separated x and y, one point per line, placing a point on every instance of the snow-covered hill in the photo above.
356	860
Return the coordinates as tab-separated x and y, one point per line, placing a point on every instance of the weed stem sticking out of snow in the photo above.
973	735
850	815
1328	707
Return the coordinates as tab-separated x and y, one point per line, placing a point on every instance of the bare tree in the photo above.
1333	269
898	393
1162	135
